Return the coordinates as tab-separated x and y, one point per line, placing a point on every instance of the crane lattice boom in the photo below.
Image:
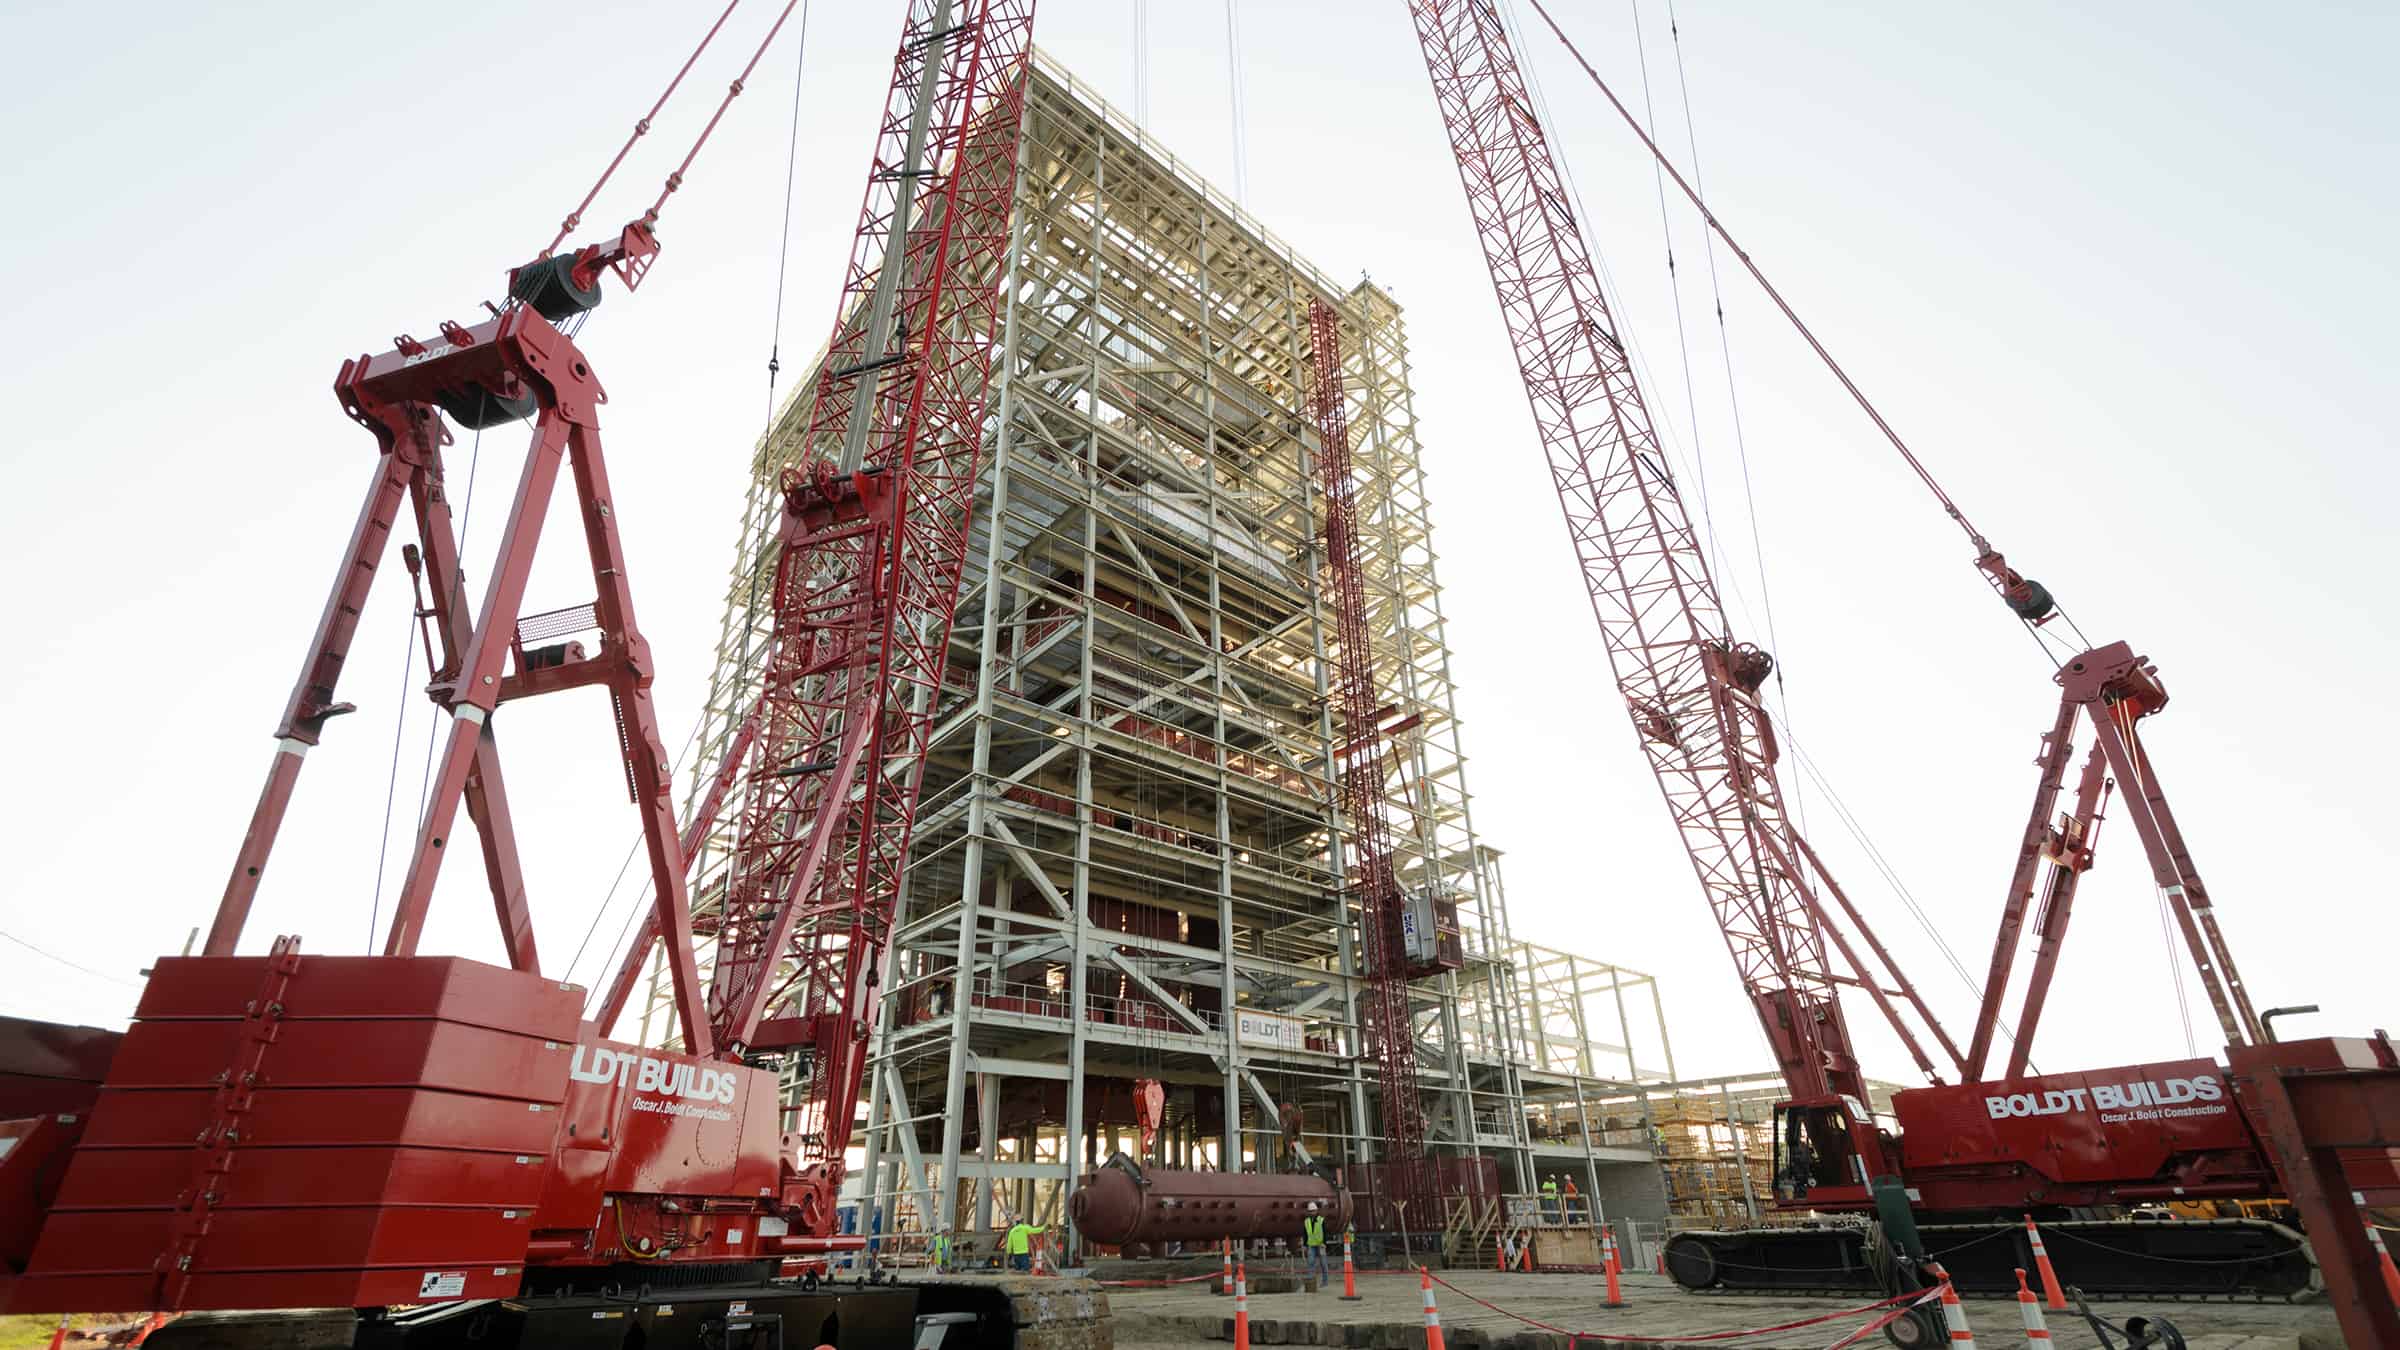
872	546
1373	884
1690	689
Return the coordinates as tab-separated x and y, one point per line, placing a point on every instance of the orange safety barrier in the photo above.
1891	1309
1154	1284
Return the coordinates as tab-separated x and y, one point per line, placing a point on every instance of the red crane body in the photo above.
1691	690
293	1130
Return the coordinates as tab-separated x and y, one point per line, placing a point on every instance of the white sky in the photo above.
2121	274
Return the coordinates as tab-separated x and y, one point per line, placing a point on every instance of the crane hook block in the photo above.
549	286
2029	600
475	407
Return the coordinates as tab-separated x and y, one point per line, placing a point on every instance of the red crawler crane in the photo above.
401	1129
2316	1118
1691	689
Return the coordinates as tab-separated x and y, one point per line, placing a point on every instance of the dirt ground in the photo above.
1391	1315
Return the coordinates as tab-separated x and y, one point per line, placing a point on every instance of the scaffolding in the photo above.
1125	865
1718	1157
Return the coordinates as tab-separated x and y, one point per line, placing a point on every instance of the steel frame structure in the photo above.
1136	721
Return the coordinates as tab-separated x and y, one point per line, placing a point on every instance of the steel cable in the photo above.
391	787
71	965
783	259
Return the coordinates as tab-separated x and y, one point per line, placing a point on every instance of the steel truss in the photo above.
1130	828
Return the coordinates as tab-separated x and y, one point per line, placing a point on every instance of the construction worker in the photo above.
1571	1199
1550	1198
1020	1244
1312	1233
941	1251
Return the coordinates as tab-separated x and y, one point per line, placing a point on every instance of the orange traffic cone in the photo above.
1608	1262
2041	1261
157	1320
1225	1249
2029	1308
1241	1308
1349	1272
59	1337
1962	1336
1661	1258
1433	1320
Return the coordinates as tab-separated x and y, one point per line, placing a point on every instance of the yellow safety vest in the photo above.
1314	1227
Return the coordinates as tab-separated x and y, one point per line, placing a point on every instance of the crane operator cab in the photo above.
1818	1163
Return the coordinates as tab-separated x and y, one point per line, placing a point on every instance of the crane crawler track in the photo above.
2103	1258
1002	1312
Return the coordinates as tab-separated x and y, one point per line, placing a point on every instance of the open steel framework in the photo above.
1127	858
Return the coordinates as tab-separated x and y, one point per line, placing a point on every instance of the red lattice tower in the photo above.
873	542
1690	689
1358	768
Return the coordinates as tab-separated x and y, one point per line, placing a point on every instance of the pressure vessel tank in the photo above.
1126	1206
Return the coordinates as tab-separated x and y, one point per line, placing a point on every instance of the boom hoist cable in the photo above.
872	548
2112	685
2028	599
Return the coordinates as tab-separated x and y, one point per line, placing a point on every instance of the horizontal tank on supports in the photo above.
1123	1205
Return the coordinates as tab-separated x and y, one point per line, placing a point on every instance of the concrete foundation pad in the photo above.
1390	1317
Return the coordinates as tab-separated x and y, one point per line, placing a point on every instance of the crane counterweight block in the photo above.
483	1129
